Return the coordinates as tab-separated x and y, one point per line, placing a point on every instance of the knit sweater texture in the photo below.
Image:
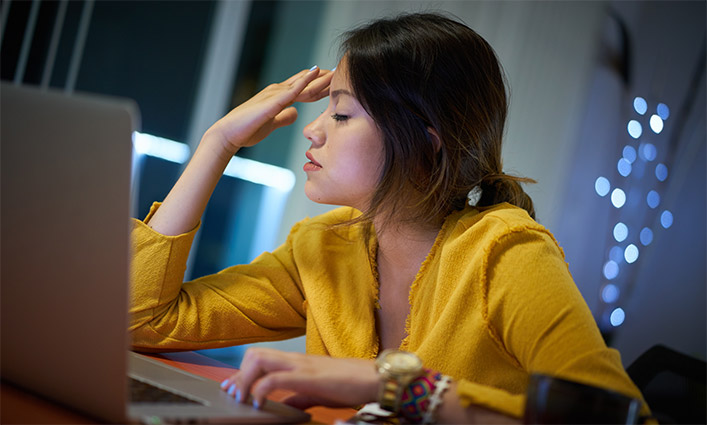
493	302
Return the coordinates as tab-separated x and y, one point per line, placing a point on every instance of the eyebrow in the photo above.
336	93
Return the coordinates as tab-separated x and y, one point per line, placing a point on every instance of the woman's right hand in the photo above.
255	119
245	125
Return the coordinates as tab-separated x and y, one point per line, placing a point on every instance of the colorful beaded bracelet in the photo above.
422	396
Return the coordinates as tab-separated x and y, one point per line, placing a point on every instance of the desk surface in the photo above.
18	406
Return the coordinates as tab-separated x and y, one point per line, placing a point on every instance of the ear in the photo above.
434	136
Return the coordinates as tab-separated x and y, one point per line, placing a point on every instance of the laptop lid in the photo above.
65	182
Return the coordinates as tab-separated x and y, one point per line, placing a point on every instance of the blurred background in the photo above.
607	114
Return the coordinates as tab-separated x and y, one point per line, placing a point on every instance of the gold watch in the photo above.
396	369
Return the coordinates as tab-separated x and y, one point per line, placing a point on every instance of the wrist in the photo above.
396	370
407	390
216	142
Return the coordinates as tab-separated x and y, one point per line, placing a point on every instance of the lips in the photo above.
312	165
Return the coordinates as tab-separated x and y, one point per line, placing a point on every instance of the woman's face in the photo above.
346	155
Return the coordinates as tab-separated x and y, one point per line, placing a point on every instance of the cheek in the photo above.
364	173
376	157
360	164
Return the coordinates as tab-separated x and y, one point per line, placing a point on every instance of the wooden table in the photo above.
20	407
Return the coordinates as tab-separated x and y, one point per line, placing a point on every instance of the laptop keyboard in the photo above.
142	392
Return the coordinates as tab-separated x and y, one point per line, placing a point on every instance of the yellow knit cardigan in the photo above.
493	302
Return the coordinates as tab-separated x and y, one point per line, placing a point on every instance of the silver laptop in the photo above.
65	184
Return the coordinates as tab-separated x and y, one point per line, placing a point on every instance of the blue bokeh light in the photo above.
663	111
666	219
602	186
616	254
617	317
647	151
611	269
631	253
634	129
640	105
653	199
656	124
629	153
646	236
624	167
610	293
661	172
620	232
618	198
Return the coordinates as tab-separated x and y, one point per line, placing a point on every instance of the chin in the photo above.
332	197
313	195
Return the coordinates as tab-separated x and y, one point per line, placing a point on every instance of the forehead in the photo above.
341	74
340	86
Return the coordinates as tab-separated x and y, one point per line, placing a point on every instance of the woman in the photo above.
434	251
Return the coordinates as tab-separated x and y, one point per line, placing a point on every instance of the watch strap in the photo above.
390	394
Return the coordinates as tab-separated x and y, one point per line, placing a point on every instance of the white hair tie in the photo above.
474	195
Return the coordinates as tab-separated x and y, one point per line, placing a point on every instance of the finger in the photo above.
316	96
324	93
315	90
229	384
305	80
294	77
321	74
284	380
285	94
308	393
302	402
302	78
323	80
256	363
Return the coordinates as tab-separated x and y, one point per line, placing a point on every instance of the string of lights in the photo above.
634	191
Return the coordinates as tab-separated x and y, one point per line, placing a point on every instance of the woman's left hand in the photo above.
316	380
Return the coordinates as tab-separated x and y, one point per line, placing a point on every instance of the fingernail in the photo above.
224	384
238	396
256	404
313	68
232	389
333	69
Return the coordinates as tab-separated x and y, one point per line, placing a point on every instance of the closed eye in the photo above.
338	117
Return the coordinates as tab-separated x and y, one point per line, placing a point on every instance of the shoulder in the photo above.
501	217
490	229
322	250
493	222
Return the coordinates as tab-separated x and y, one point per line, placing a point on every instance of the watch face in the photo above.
399	361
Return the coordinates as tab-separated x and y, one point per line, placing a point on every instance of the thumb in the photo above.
300	401
285	117
303	401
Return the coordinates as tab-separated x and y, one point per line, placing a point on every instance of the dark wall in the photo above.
150	51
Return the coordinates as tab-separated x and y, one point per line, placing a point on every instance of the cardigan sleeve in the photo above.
540	321
261	301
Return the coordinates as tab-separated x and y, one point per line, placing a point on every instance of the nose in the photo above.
314	131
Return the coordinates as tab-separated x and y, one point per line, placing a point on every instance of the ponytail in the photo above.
498	188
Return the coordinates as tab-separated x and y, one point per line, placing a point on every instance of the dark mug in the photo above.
552	400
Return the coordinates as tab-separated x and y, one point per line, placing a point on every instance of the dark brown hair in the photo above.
422	74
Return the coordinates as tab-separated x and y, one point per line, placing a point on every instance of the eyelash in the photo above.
337	117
